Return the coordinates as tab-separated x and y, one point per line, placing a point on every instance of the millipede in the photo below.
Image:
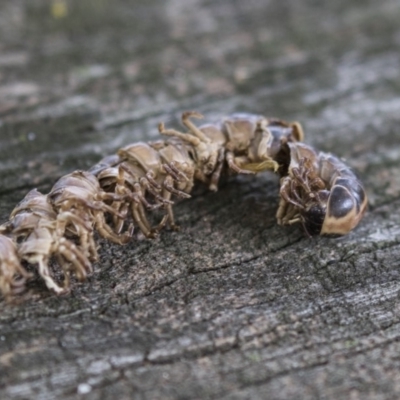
117	195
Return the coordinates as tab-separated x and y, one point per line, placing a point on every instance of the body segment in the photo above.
137	187
39	233
321	192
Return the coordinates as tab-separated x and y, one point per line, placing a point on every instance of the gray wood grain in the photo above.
232	306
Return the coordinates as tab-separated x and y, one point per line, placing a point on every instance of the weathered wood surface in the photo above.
233	306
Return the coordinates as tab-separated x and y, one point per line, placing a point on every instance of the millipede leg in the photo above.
141	221
302	181
44	272
285	200
168	184
106	231
280	213
291	216
230	158
192	127
175	172
83	231
145	183
81	264
169	217
298	132
119	222
217	172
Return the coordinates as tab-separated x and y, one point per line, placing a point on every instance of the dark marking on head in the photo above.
341	202
314	218
355	189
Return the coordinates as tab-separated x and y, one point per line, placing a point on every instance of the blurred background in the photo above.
78	79
233	306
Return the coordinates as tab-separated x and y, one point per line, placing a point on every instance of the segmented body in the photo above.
80	194
121	191
150	175
41	233
321	192
242	143
12	275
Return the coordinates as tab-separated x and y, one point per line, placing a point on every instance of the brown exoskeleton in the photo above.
162	169
115	179
12	275
80	194
148	175
317	189
241	143
40	234
157	169
321	192
247	143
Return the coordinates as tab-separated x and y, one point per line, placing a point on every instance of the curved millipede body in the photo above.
321	192
150	175
123	190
